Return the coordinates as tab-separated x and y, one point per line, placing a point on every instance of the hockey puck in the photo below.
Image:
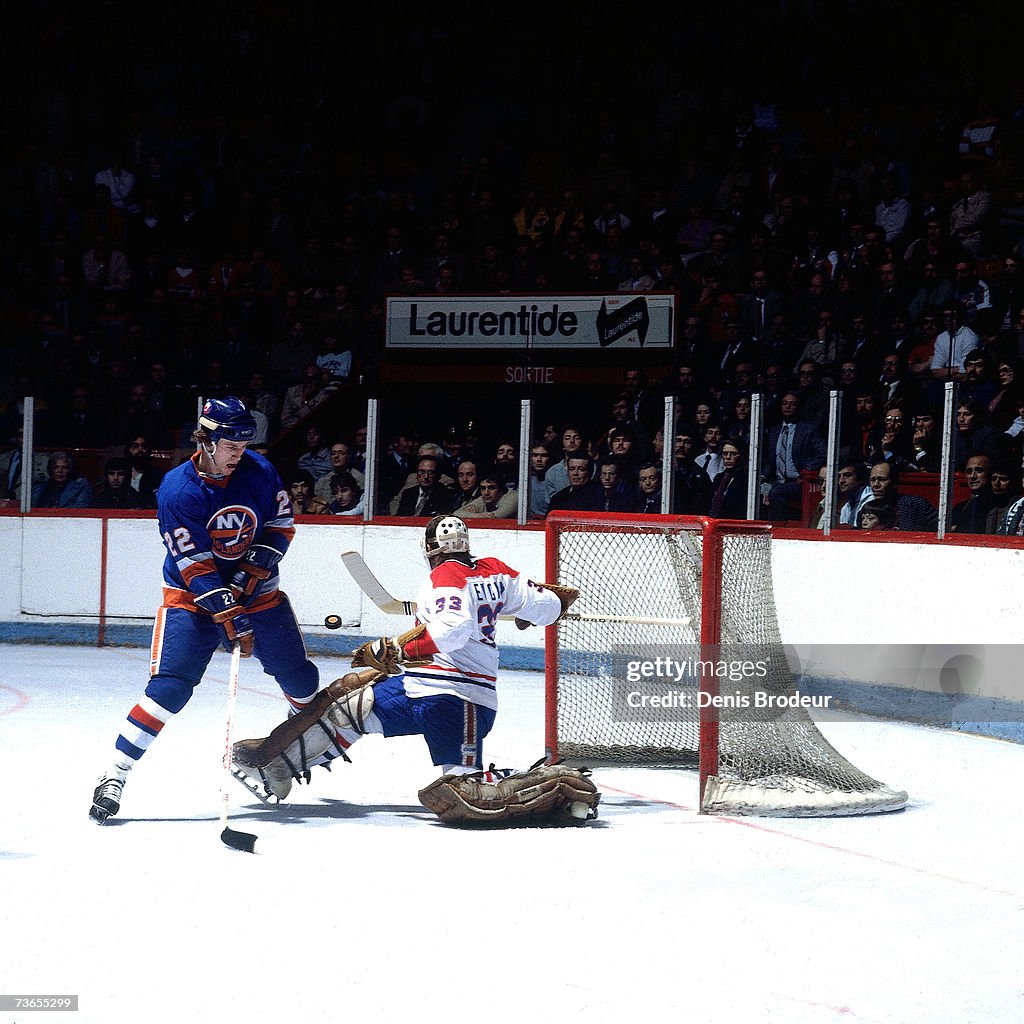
333	622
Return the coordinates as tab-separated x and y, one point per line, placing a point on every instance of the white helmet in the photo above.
445	535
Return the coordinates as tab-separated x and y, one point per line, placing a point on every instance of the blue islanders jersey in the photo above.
208	524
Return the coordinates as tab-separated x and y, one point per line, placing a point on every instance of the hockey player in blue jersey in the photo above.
226	520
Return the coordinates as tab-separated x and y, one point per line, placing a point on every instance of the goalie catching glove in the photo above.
387	654
554	793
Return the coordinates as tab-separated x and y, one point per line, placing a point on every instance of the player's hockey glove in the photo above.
230	616
253	572
387	654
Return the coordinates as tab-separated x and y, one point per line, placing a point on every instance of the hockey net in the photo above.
690	591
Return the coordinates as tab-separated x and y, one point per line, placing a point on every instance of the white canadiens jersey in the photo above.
460	605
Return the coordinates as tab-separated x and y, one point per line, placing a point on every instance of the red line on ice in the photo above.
21	700
746	823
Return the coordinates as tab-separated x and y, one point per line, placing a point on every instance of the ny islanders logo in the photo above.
232	530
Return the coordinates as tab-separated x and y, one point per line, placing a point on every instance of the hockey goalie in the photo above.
437	680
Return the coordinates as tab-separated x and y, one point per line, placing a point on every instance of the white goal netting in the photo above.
625	686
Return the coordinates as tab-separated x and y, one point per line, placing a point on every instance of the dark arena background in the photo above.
307	131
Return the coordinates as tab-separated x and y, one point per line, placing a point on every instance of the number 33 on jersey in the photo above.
460	605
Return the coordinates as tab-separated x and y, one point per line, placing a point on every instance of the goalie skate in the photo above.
271	783
257	786
305	740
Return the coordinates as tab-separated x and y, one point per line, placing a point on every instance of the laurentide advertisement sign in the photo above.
616	321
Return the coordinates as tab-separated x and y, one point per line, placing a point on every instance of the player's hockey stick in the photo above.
387	603
244	841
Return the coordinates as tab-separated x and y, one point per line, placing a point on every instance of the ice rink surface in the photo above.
360	907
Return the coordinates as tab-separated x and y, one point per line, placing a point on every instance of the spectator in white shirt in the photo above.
952	345
710	460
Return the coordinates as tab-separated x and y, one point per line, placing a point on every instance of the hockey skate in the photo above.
106	797
270	783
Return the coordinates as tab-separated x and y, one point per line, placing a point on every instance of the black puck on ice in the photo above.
333	622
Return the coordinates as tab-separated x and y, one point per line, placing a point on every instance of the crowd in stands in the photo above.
224	211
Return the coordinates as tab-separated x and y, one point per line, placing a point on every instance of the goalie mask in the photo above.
446	535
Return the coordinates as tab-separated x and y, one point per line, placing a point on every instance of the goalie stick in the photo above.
373	588
244	841
390	605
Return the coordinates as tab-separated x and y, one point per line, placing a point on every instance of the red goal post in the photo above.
686	590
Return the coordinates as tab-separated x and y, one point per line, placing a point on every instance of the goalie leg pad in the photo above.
352	708
308	738
555	793
317	745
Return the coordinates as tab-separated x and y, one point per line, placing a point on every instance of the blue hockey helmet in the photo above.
227	419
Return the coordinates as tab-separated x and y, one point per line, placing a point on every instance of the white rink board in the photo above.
850	593
826	593
62	560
